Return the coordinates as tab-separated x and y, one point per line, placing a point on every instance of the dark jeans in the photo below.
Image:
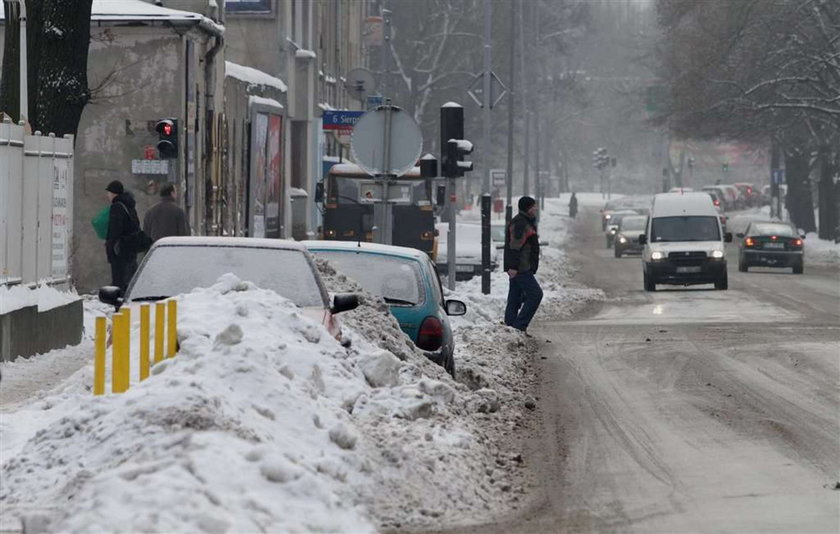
122	269
524	297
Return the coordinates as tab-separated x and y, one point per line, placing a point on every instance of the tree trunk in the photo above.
799	201
828	192
59	40
9	80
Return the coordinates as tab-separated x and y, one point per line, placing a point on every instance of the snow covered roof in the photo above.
405	252
137	10
253	76
213	241
676	204
264	101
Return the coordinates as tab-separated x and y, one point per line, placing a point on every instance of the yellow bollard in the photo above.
160	312
119	353
144	342
99	358
172	320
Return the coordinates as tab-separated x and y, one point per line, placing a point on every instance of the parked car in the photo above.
627	236
177	265
771	244
684	242
615	221
467	250
408	282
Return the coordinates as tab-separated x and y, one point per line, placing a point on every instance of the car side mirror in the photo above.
319	193
111	295
346	302
642	239
739	235
455	307
727	237
802	236
802	233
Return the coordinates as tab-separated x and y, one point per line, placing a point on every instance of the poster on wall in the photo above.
60	201
258	184
248	6
274	197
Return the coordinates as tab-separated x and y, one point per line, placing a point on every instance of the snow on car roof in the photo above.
676	204
214	241
368	247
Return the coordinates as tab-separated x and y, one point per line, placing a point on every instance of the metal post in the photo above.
24	87
485	186
526	186
511	105
386	48
450	238
526	182
775	157
385	180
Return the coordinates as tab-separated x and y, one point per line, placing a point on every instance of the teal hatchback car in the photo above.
409	283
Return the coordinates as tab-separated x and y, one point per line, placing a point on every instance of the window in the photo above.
688	228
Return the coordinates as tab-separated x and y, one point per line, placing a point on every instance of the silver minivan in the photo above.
683	243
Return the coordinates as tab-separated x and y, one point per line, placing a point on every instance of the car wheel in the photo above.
722	282
449	365
617	253
650	283
799	268
742	265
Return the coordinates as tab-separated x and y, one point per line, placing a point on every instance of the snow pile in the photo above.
821	251
260	407
45	297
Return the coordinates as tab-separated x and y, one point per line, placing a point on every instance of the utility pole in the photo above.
526	186
17	8
485	186
386	48
511	106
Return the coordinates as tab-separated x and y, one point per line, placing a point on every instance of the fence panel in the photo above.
36	185
11	200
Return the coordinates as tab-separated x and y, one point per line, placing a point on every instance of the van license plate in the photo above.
689	269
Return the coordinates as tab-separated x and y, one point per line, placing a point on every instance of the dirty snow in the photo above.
263	422
45	297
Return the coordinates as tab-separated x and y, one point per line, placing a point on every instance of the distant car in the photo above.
716	200
771	244
498	232
615	221
627	236
728	197
751	195
177	265
467	250
408	282
680	190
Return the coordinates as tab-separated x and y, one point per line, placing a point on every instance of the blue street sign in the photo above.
778	176
374	101
341	119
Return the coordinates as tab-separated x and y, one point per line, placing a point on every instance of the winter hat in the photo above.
115	187
525	203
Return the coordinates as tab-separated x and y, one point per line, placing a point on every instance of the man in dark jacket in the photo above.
123	226
522	259
165	218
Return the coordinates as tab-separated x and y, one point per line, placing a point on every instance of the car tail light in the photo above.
431	334
773	237
750	242
717	202
796	242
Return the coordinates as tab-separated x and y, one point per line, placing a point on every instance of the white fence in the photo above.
36	206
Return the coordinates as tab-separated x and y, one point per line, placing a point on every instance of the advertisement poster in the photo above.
60	199
274	197
258	176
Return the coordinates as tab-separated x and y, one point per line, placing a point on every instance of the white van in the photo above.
684	242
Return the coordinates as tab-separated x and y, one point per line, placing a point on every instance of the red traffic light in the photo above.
166	129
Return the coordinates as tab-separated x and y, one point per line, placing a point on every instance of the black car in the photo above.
627	235
771	244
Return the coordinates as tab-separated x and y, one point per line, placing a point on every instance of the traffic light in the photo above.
600	158
456	149
725	167
452	143
167	145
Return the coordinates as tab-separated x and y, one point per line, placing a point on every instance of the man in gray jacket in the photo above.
165	218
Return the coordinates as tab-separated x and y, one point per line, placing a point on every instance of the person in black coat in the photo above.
522	259
123	226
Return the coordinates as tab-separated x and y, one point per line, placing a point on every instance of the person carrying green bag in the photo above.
100	222
121	245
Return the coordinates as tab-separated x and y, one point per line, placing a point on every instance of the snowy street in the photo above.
687	409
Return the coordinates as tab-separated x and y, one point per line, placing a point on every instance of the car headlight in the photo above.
612	231
657	255
622	239
608	216
717	254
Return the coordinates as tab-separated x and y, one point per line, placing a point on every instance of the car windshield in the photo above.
685	228
633	223
172	270
397	280
782	230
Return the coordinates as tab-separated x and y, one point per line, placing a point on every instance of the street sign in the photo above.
497	90
374	101
341	119
778	176
497	177
402	147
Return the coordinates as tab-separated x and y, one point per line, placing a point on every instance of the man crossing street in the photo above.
522	258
